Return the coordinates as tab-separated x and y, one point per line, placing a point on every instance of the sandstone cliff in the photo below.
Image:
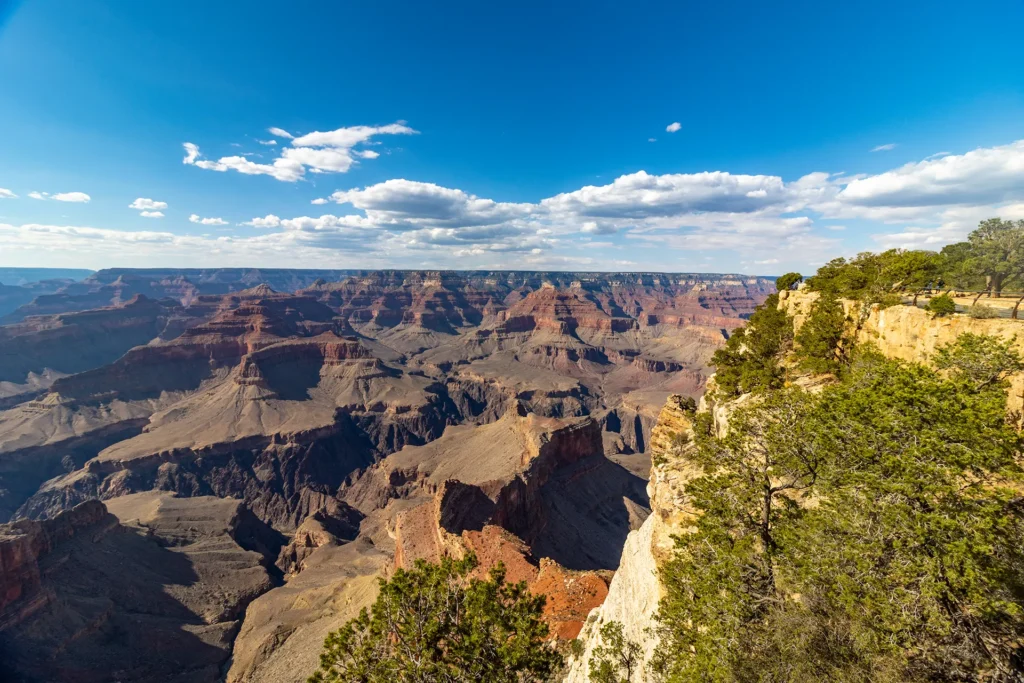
911	333
902	332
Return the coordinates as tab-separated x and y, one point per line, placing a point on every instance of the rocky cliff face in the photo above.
911	333
634	592
151	590
902	332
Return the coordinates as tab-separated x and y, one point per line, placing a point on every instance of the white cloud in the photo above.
74	197
144	203
319	200
982	176
595	228
268	143
407	204
194	218
767	262
282	169
317	152
652	139
7	194
642	195
884	148
673	127
151	214
269	221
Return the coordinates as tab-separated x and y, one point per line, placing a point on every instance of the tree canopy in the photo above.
749	361
873	531
990	259
435	624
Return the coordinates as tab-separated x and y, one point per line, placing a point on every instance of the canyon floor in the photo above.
203	472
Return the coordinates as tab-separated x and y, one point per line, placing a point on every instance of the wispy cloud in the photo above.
884	148
73	197
318	152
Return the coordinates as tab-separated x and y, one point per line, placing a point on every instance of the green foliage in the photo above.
991	258
749	362
434	623
979	360
877	278
982	312
822	344
993	253
617	659
871	532
942	305
788	281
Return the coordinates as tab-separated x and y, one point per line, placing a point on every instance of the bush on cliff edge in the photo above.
435	623
871	532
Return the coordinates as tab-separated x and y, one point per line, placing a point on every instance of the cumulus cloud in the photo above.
673	127
595	228
318	152
408	204
152	214
268	221
38	195
195	218
982	176
884	148
642	195
668	221
146	204
7	194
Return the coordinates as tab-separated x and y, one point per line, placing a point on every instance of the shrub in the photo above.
982	312
788	281
870	532
942	305
822	344
749	362
617	659
434	623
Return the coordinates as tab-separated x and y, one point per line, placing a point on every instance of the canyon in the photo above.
221	463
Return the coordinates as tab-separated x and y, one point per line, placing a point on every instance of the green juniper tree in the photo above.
871	532
822	344
435	624
617	659
749	361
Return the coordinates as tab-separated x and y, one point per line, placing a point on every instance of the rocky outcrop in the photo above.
635	591
911	333
151	590
75	342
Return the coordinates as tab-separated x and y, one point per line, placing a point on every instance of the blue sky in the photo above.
503	135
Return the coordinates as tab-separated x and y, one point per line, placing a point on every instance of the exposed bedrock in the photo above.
152	590
282	479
